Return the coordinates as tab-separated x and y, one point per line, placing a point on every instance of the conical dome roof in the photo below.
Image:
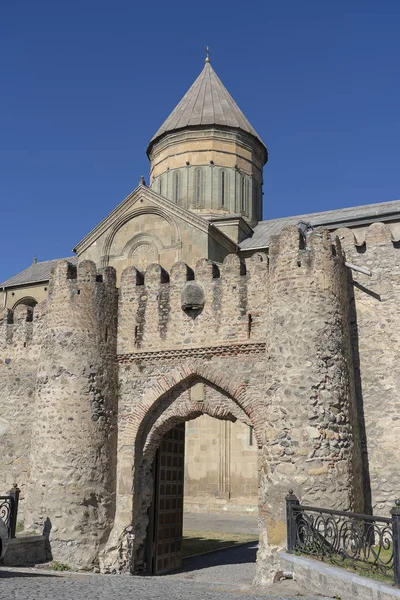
207	102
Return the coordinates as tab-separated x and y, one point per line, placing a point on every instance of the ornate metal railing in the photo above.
346	539
9	510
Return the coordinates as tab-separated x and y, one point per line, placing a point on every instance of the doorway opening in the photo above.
165	529
204	478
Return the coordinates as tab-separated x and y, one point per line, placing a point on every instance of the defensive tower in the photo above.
73	449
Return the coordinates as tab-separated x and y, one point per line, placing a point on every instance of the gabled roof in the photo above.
36	273
332	219
207	102
354	216
140	193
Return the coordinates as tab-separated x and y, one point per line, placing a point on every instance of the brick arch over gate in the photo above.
134	470
233	387
159	429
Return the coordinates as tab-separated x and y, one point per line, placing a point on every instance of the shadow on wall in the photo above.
359	390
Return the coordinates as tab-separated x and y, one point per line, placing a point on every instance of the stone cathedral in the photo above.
192	356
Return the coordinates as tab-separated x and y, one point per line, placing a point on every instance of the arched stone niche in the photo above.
145	236
142	250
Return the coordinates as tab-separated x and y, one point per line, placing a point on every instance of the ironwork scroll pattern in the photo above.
6	510
345	539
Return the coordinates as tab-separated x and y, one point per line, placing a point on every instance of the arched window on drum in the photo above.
198	187
243	196
176	187
223	189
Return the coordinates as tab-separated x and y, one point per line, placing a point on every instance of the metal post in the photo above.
14	495
291	500
395	512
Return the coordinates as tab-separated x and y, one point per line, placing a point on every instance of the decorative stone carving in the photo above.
143	255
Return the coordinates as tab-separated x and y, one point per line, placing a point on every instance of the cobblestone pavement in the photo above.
221	575
35	585
235	566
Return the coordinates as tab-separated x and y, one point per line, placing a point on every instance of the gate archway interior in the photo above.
160	468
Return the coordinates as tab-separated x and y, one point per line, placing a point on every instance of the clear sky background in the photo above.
84	84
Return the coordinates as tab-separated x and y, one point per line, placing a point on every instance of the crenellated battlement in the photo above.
227	303
79	296
218	304
377	257
207	305
291	252
378	238
65	274
20	330
211	304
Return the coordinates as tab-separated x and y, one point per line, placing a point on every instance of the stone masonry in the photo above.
73	443
284	343
166	318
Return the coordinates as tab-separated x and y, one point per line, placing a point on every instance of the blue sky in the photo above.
84	84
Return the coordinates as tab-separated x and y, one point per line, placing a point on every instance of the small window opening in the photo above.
136	332
160	186
251	436
198	188
249	323
223	188
242	196
176	188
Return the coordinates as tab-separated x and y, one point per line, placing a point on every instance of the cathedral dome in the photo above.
206	156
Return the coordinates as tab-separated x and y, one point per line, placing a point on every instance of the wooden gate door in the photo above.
168	502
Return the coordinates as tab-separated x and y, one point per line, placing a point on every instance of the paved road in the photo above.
233	566
228	522
222	575
46	586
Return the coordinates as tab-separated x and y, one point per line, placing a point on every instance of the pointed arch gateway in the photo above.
168	403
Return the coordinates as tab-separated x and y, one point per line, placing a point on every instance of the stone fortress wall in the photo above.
273	338
375	322
71	487
20	342
293	344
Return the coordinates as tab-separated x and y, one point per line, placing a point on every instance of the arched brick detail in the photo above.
131	215
181	412
167	403
234	387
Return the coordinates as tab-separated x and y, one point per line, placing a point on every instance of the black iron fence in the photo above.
346	539
9	510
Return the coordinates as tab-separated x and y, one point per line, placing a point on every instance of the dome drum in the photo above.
206	157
